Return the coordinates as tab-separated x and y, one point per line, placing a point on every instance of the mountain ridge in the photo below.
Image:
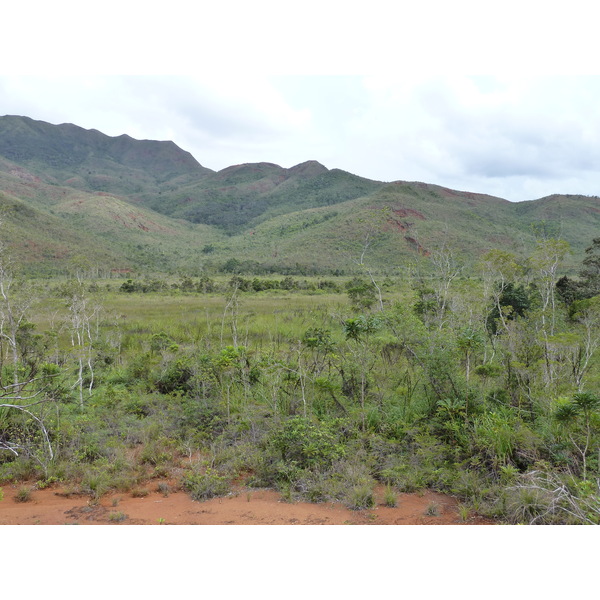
149	205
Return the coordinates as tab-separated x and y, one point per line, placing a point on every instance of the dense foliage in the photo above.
485	387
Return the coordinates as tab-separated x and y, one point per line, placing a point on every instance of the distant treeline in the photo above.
236	266
206	285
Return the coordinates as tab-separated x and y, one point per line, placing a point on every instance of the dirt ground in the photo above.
52	506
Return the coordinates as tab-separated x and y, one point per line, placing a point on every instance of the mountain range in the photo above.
71	196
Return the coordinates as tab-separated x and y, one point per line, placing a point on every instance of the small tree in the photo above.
361	293
370	229
24	403
468	341
14	307
82	313
587	313
500	270
545	261
578	416
447	270
26	393
358	332
590	271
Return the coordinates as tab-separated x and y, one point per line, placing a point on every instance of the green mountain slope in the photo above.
403	220
406	220
571	217
48	228
126	204
242	196
91	161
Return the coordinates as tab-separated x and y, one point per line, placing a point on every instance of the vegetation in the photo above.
163	326
484	387
78	201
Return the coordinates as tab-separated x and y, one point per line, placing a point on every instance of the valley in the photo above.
299	339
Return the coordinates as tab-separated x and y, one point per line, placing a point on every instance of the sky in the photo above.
502	102
518	138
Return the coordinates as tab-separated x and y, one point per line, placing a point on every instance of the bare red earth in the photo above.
246	507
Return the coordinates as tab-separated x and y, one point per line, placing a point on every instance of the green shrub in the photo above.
502	437
48	481
175	376
23	495
202	419
117	517
21	469
463	512
160	341
96	481
307	444
362	294
390	498
359	497
139	368
348	481
155	453
203	486
545	498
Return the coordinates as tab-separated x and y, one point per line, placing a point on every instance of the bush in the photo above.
362	294
390	498
307	444
501	437
21	469
96	481
539	498
160	341
175	376
203	486
346	481
360	497
23	495
156	452
117	517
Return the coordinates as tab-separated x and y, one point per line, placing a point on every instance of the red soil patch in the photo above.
417	246
246	507
24	175
408	212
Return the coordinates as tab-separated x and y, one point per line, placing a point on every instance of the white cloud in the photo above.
219	119
478	132
515	137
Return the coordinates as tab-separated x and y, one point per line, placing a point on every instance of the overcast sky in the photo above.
517	138
287	90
